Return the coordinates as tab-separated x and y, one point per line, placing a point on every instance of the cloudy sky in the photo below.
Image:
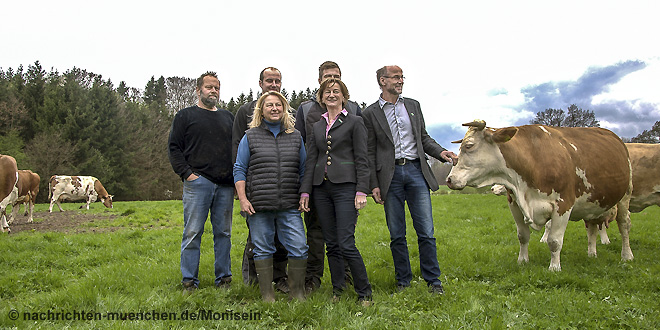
501	61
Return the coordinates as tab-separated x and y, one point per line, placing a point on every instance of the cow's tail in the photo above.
50	187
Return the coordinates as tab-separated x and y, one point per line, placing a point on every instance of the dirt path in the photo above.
67	221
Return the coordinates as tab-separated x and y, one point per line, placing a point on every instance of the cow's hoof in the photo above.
554	268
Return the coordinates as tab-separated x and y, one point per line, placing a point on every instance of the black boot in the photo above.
297	269
265	276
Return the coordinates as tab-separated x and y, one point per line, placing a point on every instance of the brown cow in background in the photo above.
8	189
28	188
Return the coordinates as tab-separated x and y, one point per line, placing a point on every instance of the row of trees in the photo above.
77	123
576	117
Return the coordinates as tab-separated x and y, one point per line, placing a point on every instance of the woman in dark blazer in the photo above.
337	177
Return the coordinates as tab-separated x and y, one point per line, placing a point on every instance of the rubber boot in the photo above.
297	269
265	276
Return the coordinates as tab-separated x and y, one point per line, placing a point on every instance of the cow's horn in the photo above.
457	141
478	124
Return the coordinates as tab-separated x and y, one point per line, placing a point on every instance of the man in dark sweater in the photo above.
270	79
199	149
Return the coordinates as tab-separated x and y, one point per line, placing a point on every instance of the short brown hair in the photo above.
200	80
271	68
381	73
329	83
327	65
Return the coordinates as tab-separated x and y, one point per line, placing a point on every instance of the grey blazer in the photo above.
344	152
381	146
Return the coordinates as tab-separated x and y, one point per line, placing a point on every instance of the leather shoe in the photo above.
400	287
437	289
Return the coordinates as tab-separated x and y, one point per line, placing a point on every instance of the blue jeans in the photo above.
408	185
335	204
199	197
290	232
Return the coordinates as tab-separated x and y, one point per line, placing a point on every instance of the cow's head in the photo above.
480	162
107	201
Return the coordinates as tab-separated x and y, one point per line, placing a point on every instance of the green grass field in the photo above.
135	269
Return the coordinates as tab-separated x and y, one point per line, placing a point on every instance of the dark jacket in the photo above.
199	143
344	152
273	175
381	145
310	111
242	118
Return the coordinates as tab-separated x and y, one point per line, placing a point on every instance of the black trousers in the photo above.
335	204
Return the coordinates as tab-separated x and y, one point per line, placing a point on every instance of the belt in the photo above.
403	161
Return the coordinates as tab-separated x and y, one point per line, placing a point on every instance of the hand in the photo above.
192	177
449	156
376	196
246	206
360	201
304	204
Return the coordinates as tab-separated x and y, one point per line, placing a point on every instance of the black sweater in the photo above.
200	143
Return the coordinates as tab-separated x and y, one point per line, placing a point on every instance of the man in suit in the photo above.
398	144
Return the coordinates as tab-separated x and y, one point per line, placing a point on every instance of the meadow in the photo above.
130	267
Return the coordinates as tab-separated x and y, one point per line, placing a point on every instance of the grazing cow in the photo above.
28	188
8	189
74	188
551	173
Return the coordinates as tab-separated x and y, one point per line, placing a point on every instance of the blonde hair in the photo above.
287	120
329	83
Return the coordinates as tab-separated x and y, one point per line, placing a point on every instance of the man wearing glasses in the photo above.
398	144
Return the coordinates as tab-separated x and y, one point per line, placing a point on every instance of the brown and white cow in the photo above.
551	173
74	188
28	188
644	159
8	189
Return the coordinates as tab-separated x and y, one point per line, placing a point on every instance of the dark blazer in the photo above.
381	145
344	152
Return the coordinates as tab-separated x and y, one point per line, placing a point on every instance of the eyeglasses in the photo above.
397	77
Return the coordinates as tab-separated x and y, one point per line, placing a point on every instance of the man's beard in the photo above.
210	101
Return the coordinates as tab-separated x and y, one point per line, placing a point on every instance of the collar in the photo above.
343	112
382	101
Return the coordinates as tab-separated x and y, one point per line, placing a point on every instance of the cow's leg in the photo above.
59	204
592	231
623	222
604	239
30	207
50	208
556	238
14	213
4	224
523	232
544	238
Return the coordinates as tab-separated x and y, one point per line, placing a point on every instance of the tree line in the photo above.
78	123
577	117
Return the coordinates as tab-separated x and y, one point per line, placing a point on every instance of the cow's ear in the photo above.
504	134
